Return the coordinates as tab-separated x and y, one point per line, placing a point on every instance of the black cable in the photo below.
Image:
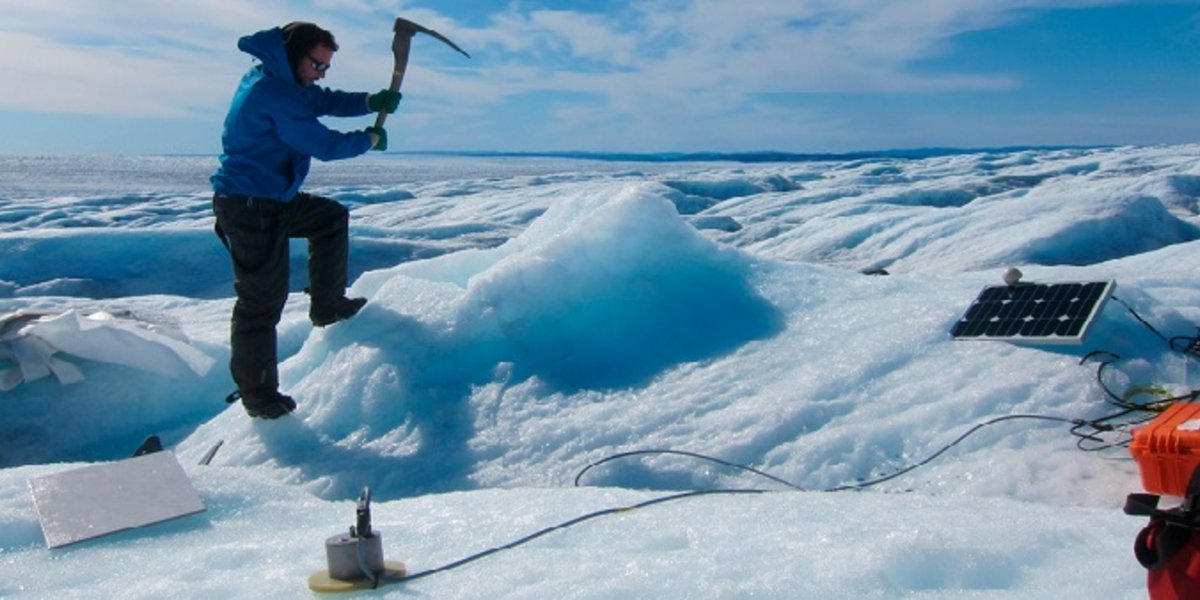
1193	342
1154	407
688	454
947	447
1077	429
1123	402
569	523
1190	339
696	493
856	486
1098	425
1142	321
1115	399
360	550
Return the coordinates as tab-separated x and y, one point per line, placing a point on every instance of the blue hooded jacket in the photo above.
272	130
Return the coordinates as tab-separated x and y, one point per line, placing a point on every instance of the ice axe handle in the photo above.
401	44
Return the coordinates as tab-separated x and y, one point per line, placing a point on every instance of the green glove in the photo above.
383	100
379	136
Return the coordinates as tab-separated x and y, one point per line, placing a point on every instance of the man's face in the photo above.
312	67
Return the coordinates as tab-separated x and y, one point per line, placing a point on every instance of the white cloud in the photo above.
130	59
706	48
588	36
675	62
105	79
651	65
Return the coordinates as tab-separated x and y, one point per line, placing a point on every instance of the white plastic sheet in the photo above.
33	343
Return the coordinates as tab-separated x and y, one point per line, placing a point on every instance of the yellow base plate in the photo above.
322	582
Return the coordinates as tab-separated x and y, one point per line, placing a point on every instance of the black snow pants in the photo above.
256	232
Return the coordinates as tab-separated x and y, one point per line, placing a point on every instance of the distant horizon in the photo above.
754	155
751	156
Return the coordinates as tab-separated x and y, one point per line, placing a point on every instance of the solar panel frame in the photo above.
1056	313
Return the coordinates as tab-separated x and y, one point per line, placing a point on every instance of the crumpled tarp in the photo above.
34	343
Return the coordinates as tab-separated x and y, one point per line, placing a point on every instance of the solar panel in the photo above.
1034	312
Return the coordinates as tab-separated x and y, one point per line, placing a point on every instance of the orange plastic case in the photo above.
1168	449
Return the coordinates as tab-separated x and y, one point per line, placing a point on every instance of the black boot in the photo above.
322	313
267	404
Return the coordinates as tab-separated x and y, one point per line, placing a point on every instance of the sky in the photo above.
142	77
531	317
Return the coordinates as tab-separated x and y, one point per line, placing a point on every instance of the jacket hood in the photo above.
267	46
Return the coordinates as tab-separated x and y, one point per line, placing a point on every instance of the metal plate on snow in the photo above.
97	500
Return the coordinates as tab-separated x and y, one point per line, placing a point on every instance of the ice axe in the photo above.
401	43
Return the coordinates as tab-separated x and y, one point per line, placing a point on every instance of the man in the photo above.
270	135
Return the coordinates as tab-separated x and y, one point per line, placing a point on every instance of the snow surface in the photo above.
530	317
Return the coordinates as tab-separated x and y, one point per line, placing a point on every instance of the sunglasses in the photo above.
317	65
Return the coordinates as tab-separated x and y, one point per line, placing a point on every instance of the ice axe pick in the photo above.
401	44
